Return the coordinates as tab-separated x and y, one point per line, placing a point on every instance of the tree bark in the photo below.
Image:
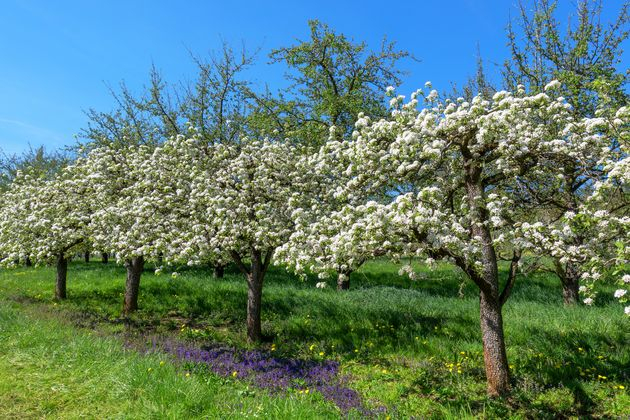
494	354
86	256
343	279
490	299
28	262
255	275
570	278
571	291
104	257
132	287
254	297
218	271
62	275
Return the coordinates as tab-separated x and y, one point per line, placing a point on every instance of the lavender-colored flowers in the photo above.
269	372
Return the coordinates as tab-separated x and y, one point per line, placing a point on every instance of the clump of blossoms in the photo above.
444	182
607	214
313	246
177	170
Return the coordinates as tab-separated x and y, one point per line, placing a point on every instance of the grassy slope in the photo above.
413	347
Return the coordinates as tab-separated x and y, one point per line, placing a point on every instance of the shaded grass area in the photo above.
413	347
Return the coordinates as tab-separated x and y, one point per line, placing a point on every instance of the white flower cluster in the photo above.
465	181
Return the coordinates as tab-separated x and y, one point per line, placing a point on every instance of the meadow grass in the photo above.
412	347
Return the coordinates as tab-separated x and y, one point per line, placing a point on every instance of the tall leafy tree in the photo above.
333	78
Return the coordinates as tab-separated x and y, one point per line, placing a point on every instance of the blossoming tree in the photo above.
124	220
45	220
313	245
453	169
243	196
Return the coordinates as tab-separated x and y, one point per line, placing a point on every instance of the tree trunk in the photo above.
28	262
254	297
62	275
570	278
218	271
160	258
132	287
571	291
104	257
255	275
343	279
86	256
494	354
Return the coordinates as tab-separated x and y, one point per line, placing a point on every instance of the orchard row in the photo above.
514	177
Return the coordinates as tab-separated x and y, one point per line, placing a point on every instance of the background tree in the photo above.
333	78
131	123
35	161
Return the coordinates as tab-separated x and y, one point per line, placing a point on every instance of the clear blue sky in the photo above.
56	57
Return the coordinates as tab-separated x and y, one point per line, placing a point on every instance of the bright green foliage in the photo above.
334	78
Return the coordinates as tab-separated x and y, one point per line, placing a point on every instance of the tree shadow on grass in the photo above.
565	363
365	315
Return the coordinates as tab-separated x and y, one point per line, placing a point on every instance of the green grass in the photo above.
413	347
52	370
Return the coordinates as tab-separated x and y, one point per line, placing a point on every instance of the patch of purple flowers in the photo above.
271	373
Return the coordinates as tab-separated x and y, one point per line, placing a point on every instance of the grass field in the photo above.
406	348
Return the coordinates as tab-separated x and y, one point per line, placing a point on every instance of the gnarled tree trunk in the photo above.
104	257
86	256
62	275
28	262
132	287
